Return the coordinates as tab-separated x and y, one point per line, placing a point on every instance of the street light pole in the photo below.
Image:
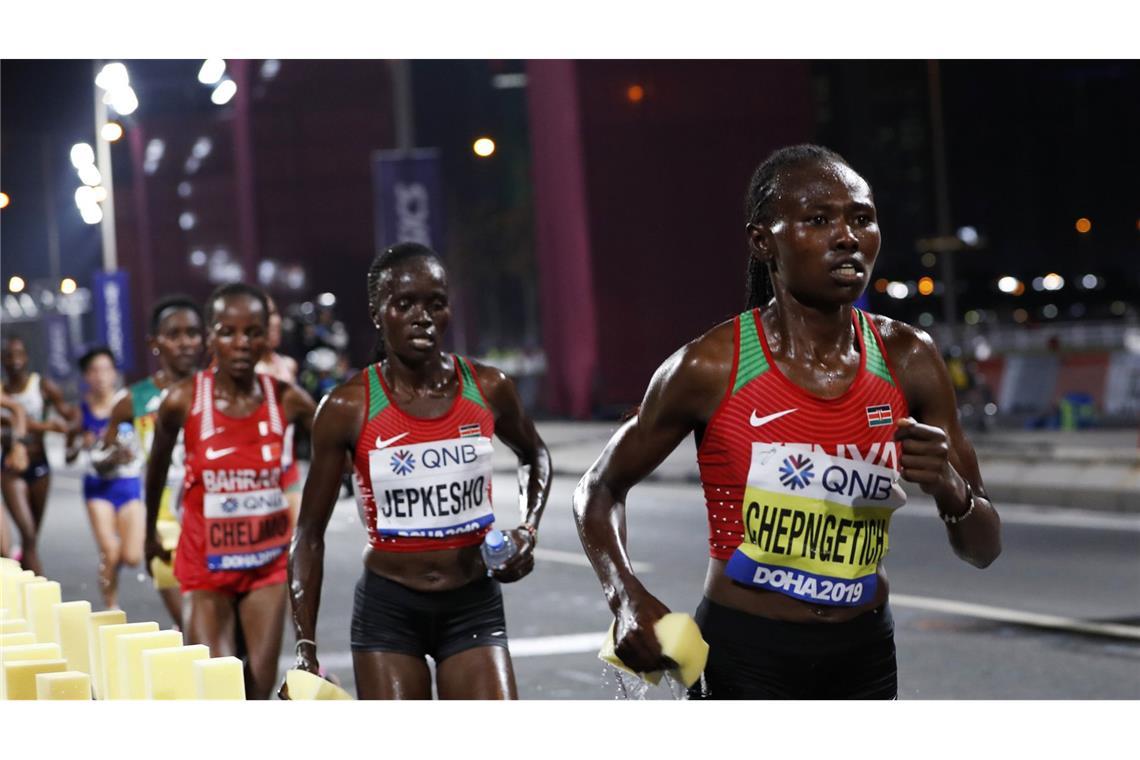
103	159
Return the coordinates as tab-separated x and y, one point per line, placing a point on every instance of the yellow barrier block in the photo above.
681	642
38	599
109	648
69	684
20	676
16	639
71	631
25	652
12	591
304	685
169	673
94	653
218	678
131	648
14	625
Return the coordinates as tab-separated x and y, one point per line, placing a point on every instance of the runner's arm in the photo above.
682	396
54	398
339	418
172	413
936	453
107	453
297	405
516	429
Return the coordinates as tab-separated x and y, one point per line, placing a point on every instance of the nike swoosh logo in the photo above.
758	421
381	443
212	454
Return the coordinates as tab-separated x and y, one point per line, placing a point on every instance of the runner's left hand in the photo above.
925	458
520	565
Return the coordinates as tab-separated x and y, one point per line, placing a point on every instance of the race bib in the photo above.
432	490
246	529
816	525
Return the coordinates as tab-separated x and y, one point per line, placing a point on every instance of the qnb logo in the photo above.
230	505
796	472
403	462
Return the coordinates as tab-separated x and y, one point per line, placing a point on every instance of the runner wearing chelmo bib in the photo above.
806	413
418	426
236	527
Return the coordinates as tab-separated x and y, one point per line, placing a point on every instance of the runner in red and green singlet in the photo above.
417	425
806	411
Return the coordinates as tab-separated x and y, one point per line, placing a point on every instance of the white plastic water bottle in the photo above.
497	550
126	437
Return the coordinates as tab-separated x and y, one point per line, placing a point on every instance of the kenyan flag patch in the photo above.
880	415
474	430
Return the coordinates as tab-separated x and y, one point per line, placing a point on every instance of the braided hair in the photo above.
385	260
230	290
758	204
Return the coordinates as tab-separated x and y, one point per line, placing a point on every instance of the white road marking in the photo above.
1006	615
1053	517
577	558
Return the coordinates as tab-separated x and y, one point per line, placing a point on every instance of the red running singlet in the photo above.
424	484
236	526
800	489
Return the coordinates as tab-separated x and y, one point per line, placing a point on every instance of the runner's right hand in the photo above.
635	641
153	548
308	664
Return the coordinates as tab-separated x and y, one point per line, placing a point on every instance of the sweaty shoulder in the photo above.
911	352
179	394
694	379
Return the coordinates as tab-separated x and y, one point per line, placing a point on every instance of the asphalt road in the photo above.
1061	571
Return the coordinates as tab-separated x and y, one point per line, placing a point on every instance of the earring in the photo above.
154	351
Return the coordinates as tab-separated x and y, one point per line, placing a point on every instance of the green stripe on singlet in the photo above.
752	363
876	362
470	387
377	398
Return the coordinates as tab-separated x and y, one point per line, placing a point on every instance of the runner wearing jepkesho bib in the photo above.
806	413
231	555
418	424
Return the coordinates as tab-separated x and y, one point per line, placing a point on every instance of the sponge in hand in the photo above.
681	642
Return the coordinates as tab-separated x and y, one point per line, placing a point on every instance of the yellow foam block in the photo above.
26	652
12	591
71	631
218	678
131	648
4	613
169	673
68	684
94	653
9	565
305	685
681	642
20	676
38	601
14	625
16	639
108	684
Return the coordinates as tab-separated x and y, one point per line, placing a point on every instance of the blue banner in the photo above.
407	198
56	336
112	317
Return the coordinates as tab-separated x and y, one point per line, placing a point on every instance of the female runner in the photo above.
418	425
805	410
231	559
283	368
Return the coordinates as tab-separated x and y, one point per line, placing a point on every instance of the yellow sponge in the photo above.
681	642
67	684
305	685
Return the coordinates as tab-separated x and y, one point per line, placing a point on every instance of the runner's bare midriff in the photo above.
428	571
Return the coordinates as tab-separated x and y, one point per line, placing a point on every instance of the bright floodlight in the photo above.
100	193
16	284
211	71
82	155
202	147
483	147
270	68
85	196
89	175
897	290
224	92
123	100
1008	284
968	235
111	131
1053	281
113	77
91	213
198	257
1089	281
186	220
67	286
4	200
326	299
